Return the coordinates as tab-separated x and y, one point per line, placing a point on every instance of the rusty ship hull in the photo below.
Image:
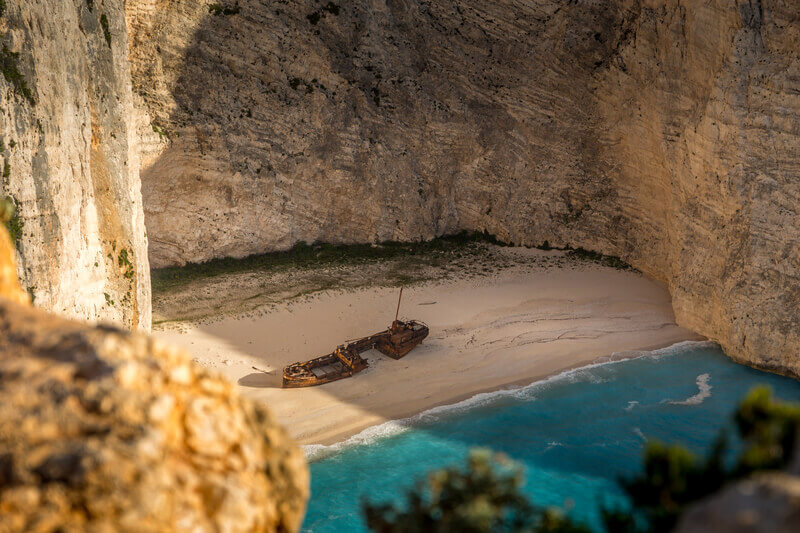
339	364
399	339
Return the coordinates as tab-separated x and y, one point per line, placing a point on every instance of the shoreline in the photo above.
315	452
332	439
512	328
615	357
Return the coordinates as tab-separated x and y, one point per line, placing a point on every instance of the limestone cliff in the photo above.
107	430
69	159
663	131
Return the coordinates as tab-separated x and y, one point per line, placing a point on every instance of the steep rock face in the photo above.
663	131
106	430
70	160
361	122
702	135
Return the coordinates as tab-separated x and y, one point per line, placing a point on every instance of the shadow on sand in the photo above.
261	380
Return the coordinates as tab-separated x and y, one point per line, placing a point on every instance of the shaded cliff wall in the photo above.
69	159
663	131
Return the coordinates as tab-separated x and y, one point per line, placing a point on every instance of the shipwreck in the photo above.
396	341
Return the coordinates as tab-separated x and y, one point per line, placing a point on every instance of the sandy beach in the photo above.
512	327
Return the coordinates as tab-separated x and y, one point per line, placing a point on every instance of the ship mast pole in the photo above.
398	304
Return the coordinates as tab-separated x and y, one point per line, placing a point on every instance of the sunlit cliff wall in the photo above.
69	159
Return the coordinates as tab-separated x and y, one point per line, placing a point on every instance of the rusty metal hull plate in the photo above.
399	339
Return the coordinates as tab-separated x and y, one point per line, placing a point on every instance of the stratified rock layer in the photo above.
106	430
663	131
69	159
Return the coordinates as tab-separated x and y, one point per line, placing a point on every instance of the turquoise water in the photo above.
575	434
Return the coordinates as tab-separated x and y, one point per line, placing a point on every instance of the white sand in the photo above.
513	327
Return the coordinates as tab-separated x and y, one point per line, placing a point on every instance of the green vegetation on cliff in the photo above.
106	31
9	66
9	215
330	7
233	286
219	9
320	255
306	255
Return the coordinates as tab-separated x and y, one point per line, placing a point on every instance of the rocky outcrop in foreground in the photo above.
68	158
666	132
766	503
106	430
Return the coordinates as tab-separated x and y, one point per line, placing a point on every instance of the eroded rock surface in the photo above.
106	430
662	131
766	503
69	159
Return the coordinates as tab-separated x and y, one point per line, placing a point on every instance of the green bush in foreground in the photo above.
487	497
673	478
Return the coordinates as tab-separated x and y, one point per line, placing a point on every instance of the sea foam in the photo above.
704	391
631	405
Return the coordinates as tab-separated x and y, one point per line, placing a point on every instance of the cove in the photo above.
574	433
